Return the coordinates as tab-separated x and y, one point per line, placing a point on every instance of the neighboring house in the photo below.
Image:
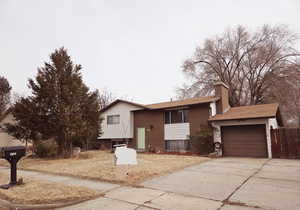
168	126
7	140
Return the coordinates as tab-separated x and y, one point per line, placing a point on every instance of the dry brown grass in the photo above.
35	191
99	165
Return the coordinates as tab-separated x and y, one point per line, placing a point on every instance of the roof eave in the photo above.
184	105
245	118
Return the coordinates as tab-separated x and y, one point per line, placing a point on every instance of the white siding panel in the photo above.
122	130
273	123
213	108
177	131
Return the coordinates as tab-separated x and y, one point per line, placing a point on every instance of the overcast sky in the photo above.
131	47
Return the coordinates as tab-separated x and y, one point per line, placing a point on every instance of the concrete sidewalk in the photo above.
129	198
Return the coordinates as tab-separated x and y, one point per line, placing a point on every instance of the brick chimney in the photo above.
221	90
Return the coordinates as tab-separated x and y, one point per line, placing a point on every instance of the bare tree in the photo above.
243	60
285	89
105	97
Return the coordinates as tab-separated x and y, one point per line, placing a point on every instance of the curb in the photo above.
12	206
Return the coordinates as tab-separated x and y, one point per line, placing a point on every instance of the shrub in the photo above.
47	148
203	143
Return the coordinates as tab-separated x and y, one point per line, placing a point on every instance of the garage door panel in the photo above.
248	145
249	148
244	141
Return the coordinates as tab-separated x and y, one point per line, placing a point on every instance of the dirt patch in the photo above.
99	165
35	191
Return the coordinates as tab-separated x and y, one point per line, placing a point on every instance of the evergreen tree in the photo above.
61	105
5	89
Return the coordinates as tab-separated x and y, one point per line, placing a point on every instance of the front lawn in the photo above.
99	165
35	191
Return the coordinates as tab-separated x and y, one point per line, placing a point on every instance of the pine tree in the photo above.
5	89
61	106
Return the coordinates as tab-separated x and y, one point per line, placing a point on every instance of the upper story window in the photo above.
176	116
113	119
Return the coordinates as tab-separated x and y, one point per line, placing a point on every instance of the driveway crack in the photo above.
226	200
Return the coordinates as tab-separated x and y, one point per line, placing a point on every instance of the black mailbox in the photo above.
12	155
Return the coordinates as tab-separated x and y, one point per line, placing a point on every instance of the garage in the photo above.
244	141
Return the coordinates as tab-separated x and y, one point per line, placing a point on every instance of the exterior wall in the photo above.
157	131
8	141
198	118
177	131
5	139
153	122
213	108
268	122
122	130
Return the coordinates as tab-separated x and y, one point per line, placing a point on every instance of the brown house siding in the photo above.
153	122
198	118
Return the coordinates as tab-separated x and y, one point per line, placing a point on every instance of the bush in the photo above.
46	149
202	143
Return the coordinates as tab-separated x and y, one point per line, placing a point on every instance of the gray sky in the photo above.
131	47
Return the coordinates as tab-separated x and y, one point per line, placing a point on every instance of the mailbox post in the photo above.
12	155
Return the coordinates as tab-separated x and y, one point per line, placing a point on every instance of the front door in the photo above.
141	138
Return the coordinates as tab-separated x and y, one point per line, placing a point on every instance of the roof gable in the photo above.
122	101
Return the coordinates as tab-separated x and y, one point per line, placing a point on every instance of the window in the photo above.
167	117
177	145
176	116
113	119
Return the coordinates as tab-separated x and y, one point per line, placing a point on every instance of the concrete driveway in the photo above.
238	183
219	184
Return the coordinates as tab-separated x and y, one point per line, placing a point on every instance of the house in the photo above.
168	126
7	140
